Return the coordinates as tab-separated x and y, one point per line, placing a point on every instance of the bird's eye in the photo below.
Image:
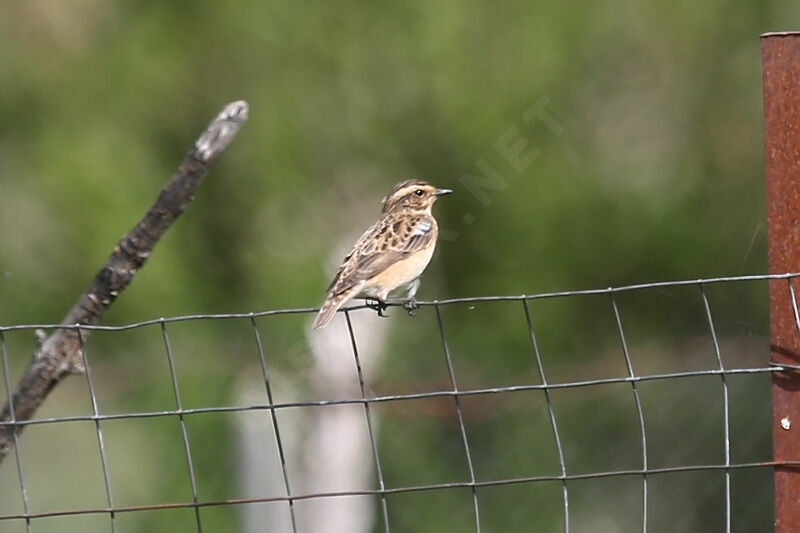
419	192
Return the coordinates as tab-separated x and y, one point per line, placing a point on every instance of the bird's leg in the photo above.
410	304
377	304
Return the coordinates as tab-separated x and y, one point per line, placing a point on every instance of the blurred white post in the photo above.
258	461
338	453
328	448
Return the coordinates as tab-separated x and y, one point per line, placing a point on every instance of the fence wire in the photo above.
382	492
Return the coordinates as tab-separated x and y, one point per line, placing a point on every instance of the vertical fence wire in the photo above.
460	416
639	412
551	412
273	415
17	452
793	299
182	423
370	426
98	429
725	406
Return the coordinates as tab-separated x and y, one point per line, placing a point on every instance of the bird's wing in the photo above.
389	240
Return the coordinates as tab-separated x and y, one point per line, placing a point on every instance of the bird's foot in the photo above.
376	304
411	306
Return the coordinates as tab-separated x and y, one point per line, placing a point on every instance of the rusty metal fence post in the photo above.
781	78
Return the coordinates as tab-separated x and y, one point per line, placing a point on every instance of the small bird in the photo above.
391	254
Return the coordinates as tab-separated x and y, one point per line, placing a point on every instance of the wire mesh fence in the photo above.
653	424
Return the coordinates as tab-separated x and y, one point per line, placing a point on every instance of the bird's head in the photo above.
412	195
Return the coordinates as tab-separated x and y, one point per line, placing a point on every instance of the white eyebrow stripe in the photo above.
423	227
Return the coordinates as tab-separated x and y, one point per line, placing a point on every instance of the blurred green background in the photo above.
654	172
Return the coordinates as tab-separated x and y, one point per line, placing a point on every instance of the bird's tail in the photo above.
332	304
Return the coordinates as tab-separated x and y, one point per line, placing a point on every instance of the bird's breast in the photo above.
400	273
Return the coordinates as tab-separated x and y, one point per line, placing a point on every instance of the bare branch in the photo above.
59	354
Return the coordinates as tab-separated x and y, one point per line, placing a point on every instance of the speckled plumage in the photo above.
392	253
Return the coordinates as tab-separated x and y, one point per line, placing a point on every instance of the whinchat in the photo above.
392	254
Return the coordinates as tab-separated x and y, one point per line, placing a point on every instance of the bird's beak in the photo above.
442	192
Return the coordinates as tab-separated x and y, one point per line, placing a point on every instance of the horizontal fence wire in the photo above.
404	490
469	299
398	397
181	413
